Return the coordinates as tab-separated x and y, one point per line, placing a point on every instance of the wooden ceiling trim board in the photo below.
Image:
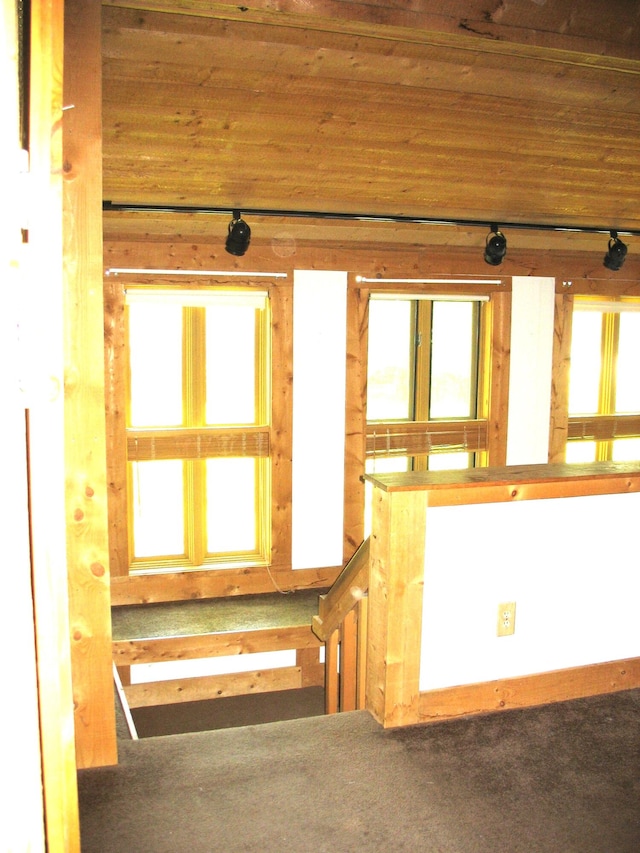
245	92
120	20
376	192
562	142
582	26
586	87
210	229
368	101
552	258
333	149
472	127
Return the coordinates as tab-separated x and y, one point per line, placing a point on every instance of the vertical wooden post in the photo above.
311	670
395	605
559	423
331	673
355	418
45	383
85	430
497	385
361	676
348	662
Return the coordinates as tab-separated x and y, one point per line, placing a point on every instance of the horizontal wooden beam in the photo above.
213	687
128	652
216	583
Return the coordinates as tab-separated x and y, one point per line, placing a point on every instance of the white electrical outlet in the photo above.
506	618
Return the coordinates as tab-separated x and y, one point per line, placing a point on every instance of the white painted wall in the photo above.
570	564
530	370
319	382
144	673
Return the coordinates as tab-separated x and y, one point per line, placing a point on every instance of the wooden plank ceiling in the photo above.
486	110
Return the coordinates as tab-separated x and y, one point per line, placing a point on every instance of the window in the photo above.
604	392
198	428
424	382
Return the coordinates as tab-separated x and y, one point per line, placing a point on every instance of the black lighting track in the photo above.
109	206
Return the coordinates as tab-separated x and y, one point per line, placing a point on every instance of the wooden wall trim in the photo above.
461	20
529	690
216	583
372	251
85	429
43	301
355	419
559	422
281	426
115	360
498	390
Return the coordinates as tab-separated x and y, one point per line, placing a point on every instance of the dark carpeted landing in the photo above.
564	778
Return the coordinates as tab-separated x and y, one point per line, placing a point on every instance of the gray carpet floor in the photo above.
563	778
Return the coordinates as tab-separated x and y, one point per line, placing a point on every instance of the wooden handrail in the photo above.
342	625
349	588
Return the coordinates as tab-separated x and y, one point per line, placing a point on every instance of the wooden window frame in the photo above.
605	426
493	393
194	441
601	427
274	442
422	437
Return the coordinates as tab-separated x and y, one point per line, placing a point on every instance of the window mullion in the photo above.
422	361
476	361
262	361
422	371
607	393
194	408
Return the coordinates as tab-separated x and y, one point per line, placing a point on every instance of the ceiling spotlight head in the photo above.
616	253
239	235
496	247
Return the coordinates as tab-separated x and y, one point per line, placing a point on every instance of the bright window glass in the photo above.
199	365
581	451
450	461
453	349
627	383
423	367
604	392
586	345
155	365
231	505
390	360
231	365
626	449
158	524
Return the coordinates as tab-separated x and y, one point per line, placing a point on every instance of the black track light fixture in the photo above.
496	247
616	252
239	235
